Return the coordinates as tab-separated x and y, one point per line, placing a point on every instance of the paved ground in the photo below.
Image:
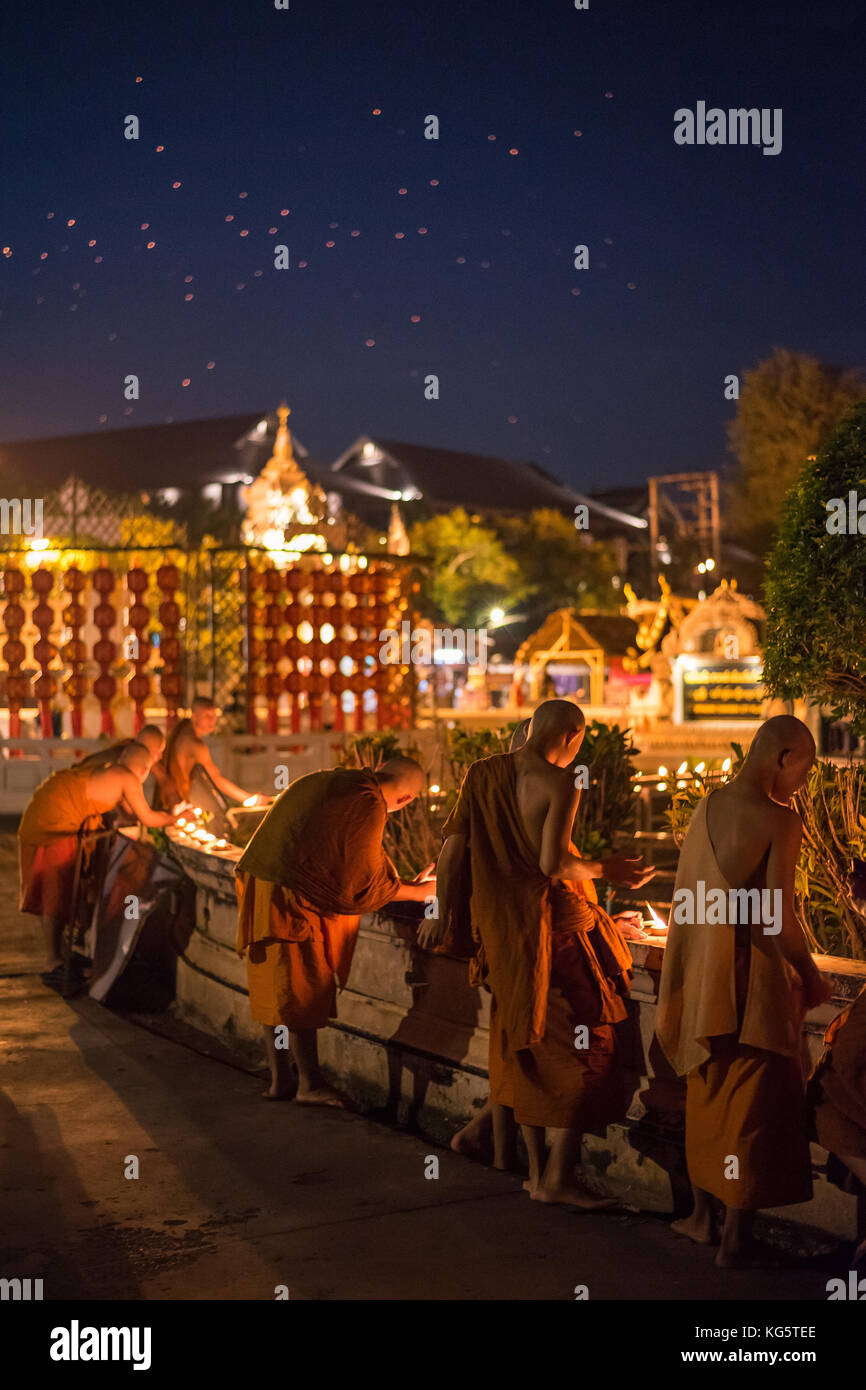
235	1196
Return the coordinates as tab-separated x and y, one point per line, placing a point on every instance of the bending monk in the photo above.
553	1054
838	1094
186	749
313	866
64	804
149	736
736	982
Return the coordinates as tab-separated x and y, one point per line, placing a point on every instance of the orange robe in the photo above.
313	866
553	961
48	841
728	1019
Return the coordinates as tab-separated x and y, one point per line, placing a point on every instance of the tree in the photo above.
815	591
789	405
561	566
469	570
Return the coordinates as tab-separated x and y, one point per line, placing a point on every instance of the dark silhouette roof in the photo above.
449	478
184	454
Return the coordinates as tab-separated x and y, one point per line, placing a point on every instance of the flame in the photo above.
657	922
250	801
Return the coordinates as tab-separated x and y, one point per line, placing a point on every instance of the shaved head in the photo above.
556	731
555	719
151	738
137	758
780	756
400	780
781	734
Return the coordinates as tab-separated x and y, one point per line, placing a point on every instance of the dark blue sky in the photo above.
730	252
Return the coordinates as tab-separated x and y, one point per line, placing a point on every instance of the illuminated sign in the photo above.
720	689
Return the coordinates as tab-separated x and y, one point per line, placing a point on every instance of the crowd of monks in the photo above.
512	895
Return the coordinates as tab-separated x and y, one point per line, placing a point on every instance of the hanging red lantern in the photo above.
170	648
138	686
104	650
294	683
14	650
45	686
74	653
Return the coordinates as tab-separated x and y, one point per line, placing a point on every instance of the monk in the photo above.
553	1053
186	749
491	1134
734	992
65	804
149	736
312	867
838	1094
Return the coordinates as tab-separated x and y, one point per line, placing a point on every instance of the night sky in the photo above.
701	259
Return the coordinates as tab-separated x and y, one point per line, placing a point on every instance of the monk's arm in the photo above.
784	850
204	759
133	796
433	930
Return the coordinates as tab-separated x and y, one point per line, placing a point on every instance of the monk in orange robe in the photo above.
67	804
313	866
736	982
837	1092
553	1055
149	736
186	749
592	956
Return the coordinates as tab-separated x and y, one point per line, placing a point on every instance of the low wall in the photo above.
411	1042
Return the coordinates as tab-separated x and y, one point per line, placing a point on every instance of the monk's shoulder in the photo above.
785	822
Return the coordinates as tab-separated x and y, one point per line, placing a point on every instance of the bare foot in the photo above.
468	1144
531	1186
324	1095
571	1195
280	1094
701	1232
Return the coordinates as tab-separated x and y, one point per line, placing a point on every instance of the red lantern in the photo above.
138	685
104	650
75	652
14	650
45	685
170	649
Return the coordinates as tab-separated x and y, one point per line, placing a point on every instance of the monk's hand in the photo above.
427	875
627	871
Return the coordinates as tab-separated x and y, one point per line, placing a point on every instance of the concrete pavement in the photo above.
235	1196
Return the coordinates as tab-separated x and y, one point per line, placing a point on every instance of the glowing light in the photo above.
415	318
662	772
185	381
711	564
699	767
422	231
250	801
683	767
497	614
513	151
176	183
656	921
150	245
370	342
434	789
284	212
726	765
661	786
434	183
